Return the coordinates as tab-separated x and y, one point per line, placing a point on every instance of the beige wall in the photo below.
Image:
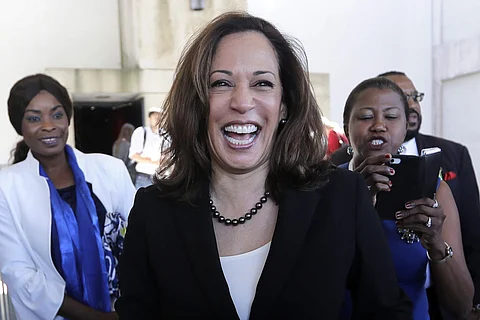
86	46
124	48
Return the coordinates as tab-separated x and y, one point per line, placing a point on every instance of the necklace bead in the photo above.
241	220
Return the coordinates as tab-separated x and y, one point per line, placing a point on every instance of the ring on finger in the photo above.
428	224
435	204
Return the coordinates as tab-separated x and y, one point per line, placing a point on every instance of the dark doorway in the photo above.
97	124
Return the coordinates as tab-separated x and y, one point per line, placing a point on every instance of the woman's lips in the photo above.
50	141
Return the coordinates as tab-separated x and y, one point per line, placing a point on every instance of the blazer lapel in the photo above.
296	211
197	231
420	142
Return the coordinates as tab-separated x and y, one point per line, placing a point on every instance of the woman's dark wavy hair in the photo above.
380	83
22	93
299	149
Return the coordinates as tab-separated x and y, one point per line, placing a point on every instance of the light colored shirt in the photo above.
242	273
151	148
411	147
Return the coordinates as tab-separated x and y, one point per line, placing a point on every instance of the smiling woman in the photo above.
251	220
62	213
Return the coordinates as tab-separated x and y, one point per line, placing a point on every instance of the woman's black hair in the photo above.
20	96
376	83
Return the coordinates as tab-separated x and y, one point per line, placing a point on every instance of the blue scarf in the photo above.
80	245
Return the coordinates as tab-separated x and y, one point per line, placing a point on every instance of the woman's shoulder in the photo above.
101	161
341	175
12	171
152	196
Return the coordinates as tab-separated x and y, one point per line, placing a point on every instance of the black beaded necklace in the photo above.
241	220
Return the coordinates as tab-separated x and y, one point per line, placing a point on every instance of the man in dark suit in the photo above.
457	171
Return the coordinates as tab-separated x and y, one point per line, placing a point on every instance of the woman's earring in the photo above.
350	150
401	149
281	124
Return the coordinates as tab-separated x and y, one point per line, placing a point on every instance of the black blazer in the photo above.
324	242
458	173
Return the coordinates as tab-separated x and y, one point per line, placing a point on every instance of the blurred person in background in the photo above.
145	149
335	136
121	148
63	213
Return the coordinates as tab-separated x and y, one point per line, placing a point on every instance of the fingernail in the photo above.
388	156
398	215
392	171
390	184
408	205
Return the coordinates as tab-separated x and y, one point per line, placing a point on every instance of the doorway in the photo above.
98	124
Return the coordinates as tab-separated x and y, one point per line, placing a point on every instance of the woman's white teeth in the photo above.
49	140
240	142
377	142
249	128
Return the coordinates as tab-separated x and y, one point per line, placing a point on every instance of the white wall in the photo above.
458	45
354	40
460	19
39	34
463	93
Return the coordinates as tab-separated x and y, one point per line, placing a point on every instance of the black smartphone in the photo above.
415	177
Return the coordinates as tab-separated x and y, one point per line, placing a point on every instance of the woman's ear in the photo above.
345	129
283	112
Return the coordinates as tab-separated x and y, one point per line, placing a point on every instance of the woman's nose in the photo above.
47	125
242	98
378	125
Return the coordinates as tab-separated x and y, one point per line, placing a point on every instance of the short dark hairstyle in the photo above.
380	83
299	148
392	73
22	92
26	89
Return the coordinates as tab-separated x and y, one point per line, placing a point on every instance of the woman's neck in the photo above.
356	161
243	188
57	169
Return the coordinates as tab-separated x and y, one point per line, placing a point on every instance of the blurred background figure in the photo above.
145	149
335	135
121	148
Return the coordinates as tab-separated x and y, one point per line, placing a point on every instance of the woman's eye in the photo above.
365	117
58	115
264	83
219	83
33	119
391	116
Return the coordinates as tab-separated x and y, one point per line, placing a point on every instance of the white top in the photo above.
152	148
411	147
242	273
34	284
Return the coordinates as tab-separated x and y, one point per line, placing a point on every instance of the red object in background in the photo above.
335	140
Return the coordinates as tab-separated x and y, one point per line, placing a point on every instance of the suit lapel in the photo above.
420	142
198	235
296	211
